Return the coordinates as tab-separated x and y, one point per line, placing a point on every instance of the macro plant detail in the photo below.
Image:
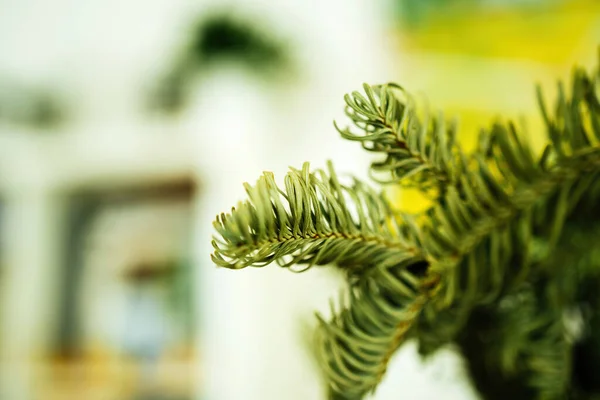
503	264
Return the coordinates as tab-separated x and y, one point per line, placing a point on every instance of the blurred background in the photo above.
126	126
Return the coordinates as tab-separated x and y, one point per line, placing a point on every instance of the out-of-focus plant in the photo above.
415	13
33	107
214	40
504	264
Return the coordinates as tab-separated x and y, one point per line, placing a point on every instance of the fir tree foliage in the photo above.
506	252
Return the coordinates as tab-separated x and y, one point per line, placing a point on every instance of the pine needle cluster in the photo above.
504	265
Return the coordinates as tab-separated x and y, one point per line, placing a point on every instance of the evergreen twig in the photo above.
494	265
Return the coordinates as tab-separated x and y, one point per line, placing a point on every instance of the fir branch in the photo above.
316	220
524	250
357	344
420	152
530	344
576	123
518	348
504	188
492	235
505	224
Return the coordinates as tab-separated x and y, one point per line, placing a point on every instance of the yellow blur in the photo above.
482	63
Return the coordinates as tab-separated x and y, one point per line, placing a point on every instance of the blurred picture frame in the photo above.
126	276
